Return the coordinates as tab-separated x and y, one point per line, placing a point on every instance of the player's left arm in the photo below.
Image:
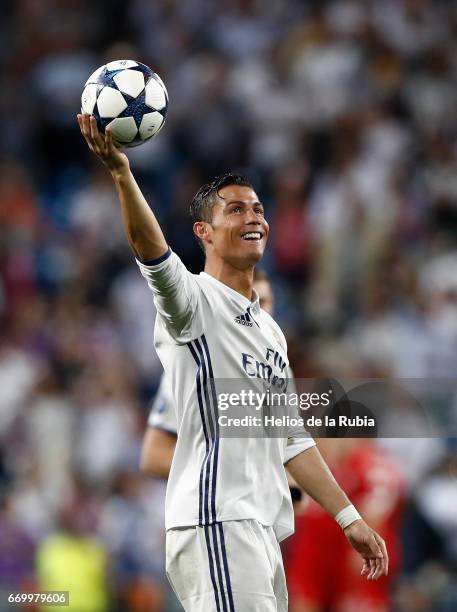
157	452
159	440
313	475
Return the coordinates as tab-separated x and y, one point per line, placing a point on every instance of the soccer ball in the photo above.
129	98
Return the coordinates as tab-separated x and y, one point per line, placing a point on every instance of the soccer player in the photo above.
228	503
160	437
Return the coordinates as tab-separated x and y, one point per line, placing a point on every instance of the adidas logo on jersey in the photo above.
244	319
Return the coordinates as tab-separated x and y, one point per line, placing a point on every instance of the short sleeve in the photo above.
298	439
163	413
297	442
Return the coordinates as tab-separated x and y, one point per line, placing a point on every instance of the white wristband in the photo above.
346	516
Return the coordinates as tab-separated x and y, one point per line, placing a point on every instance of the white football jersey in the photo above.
205	331
163	414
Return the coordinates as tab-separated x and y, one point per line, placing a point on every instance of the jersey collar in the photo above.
241	299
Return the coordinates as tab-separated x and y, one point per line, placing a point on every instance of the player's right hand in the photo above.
371	547
102	146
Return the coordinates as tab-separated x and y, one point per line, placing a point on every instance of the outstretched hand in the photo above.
371	547
102	146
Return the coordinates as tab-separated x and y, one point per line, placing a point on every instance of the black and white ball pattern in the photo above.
128	97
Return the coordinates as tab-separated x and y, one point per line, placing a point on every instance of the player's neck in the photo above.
238	280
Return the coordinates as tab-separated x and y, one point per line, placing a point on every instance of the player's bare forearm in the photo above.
141	226
313	475
315	478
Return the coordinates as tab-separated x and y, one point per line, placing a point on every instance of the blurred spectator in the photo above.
17	549
291	244
131	524
430	544
72	560
108	421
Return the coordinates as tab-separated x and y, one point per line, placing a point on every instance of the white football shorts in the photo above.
233	566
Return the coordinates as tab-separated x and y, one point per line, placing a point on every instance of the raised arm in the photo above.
176	292
141	226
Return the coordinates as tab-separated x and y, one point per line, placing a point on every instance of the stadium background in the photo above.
344	115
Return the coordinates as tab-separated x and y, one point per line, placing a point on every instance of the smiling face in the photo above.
238	231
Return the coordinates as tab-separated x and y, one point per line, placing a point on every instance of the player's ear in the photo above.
201	230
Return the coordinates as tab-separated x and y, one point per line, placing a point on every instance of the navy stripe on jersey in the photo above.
205	432
215	414
209	459
214	534
207	402
204	359
155	262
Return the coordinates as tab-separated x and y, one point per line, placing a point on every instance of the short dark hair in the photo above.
201	207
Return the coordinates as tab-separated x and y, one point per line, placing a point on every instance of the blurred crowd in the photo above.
343	114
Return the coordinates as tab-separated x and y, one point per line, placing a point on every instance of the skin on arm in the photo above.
313	475
157	452
141	226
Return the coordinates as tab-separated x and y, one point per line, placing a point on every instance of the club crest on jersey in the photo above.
246	319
